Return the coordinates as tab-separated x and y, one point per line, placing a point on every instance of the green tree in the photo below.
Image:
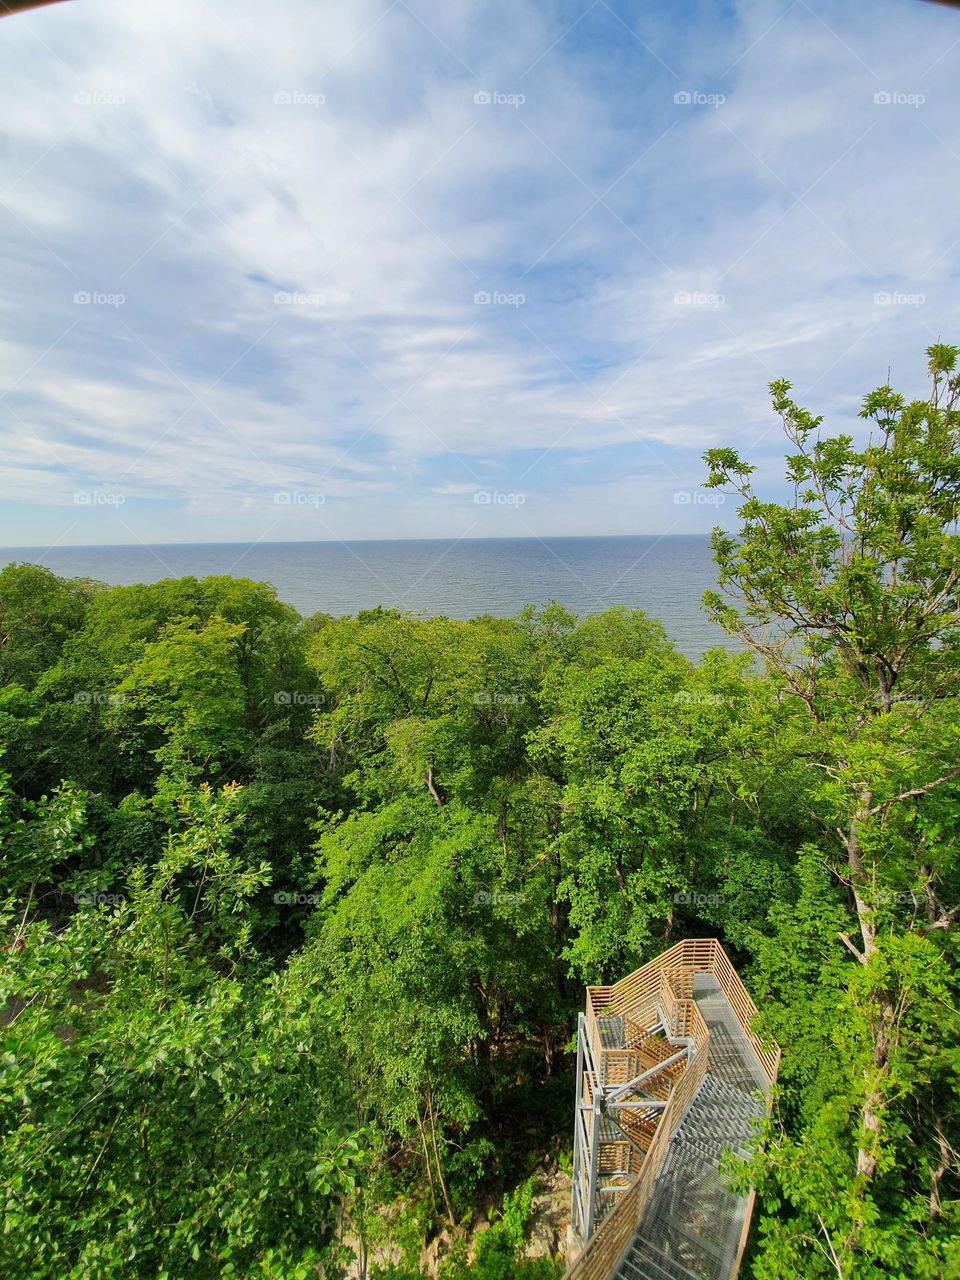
850	593
167	1108
39	612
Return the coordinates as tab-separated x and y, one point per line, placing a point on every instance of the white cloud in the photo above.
649	265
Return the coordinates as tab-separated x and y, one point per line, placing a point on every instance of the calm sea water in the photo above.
665	576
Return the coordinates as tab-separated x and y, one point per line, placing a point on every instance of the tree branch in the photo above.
914	791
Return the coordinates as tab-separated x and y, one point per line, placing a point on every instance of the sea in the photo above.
664	576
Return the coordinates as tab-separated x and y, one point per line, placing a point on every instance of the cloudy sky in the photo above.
431	268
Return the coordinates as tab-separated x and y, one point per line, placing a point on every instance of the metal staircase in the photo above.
668	1213
692	1223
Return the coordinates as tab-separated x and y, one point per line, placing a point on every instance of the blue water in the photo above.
665	576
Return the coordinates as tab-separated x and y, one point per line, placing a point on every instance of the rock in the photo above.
433	1253
549	1216
381	1254
546	1234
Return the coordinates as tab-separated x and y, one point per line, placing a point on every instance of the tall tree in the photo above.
850	593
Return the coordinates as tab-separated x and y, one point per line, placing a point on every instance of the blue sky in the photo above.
440	269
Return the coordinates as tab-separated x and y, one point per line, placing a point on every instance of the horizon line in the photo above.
332	542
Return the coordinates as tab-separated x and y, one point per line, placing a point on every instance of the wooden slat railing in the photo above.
743	1007
667	981
636	994
616	1231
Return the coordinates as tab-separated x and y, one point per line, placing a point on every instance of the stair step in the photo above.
647	1261
691	1221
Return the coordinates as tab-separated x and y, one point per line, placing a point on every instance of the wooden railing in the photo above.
666	982
636	995
615	1232
744	1009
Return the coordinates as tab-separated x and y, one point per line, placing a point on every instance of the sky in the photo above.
338	269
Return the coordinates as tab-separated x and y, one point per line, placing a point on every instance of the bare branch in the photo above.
850	947
914	791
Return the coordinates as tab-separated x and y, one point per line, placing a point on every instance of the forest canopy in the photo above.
297	913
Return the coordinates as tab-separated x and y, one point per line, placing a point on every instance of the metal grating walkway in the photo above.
692	1223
